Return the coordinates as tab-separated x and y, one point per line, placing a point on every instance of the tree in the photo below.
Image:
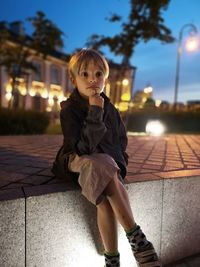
14	55
145	22
46	36
15	46
149	103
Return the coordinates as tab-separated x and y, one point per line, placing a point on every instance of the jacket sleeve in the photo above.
82	136
123	137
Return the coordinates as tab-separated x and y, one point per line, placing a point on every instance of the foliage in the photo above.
149	103
53	129
16	122
15	57
15	46
175	122
145	22
46	36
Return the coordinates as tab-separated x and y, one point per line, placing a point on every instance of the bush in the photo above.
53	129
15	122
175	122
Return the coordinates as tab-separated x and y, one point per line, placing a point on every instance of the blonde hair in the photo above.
83	58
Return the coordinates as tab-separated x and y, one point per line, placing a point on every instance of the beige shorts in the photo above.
95	172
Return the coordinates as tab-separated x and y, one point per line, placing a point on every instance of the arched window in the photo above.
55	77
38	72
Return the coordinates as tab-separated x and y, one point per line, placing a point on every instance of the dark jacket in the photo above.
88	129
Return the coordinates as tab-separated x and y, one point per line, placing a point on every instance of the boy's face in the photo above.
90	80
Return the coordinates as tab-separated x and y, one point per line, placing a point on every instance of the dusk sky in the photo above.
155	62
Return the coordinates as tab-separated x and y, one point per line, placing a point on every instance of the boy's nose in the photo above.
92	78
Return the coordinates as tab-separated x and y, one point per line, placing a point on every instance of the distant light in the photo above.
23	90
155	128
44	94
126	96
51	101
125	82
192	44
148	89
32	92
48	109
8	96
9	88
158	102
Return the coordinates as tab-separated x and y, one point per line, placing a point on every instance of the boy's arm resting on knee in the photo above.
82	136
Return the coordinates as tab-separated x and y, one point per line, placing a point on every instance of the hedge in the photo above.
16	122
175	122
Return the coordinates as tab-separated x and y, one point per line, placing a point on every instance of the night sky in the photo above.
155	62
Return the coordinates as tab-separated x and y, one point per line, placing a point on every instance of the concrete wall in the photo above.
59	229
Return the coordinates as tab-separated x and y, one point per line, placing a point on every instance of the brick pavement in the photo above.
25	162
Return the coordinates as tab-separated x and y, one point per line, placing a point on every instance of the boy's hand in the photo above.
96	100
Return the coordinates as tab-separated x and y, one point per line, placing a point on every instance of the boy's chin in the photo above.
99	91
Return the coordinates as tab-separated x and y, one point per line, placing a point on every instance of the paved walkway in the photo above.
25	161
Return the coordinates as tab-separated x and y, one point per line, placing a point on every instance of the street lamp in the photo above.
192	45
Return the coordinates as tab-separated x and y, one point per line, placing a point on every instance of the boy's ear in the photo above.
72	80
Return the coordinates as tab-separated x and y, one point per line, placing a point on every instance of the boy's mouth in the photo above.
94	87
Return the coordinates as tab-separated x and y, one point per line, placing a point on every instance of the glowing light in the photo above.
118	82
192	44
44	94
155	128
22	91
60	98
125	82
32	92
158	102
8	96
148	89
9	88
108	89
48	109
123	106
51	102
126	97
144	99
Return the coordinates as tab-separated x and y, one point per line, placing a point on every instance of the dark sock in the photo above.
112	259
130	231
139	244
137	238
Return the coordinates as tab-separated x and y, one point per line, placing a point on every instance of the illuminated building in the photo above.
140	97
45	87
119	87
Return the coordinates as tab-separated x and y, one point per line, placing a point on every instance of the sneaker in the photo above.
147	257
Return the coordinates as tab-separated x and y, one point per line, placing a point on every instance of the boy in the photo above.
94	147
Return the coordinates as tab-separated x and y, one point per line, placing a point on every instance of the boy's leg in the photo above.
107	226
142	249
119	201
108	230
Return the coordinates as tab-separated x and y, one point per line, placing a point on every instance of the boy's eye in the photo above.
99	73
84	74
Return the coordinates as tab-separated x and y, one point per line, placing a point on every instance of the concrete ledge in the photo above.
12	233
59	229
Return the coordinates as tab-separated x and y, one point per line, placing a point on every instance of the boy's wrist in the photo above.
96	112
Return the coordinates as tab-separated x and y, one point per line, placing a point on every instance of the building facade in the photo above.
44	88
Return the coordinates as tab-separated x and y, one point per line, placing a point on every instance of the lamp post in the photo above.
193	31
